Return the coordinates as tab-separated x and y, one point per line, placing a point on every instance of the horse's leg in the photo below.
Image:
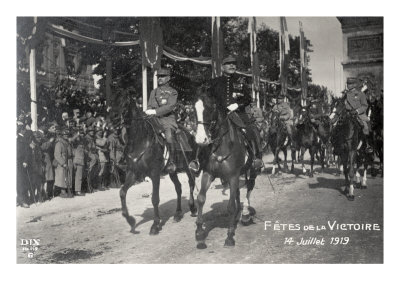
293	159
358	180
322	152
364	179
192	206
343	161
302	151
351	175
233	210
276	152
312	153
200	234
155	200
248	211
129	181
285	166
178	188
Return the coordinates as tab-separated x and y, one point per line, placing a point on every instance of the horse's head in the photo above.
206	116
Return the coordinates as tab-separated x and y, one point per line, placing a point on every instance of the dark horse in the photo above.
223	155
278	140
376	116
308	136
145	157
346	137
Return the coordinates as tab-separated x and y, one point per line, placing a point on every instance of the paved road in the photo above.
91	229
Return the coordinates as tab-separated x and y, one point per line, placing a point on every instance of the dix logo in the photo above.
30	242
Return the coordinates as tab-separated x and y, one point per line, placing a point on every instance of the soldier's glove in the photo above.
24	165
233	107
150	112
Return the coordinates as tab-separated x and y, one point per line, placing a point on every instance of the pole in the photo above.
32	77
144	86
155	82
108	80
334	76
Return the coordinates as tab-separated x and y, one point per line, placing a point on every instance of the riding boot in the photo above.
171	167
257	162
368	148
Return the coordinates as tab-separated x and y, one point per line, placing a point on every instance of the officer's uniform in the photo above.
47	147
356	100
163	100
315	113
233	89
285	114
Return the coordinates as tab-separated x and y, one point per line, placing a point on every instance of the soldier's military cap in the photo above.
352	81
163	72
229	59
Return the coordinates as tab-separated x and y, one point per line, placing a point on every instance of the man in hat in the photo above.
116	151
63	161
161	104
77	143
357	104
24	159
231	93
48	150
92	155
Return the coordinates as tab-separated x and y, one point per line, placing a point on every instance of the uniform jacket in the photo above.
79	151
227	90
356	100
163	99
24	154
115	147
284	110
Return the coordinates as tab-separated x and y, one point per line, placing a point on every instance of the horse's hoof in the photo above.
229	242
193	211
246	220
201	245
178	216
200	235
154	229
252	210
311	175
363	187
350	197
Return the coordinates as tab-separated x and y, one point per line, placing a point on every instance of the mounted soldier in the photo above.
357	104
161	104
230	92
285	114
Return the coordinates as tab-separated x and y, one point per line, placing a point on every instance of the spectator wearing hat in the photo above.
47	147
24	159
91	151
161	104
79	161
63	163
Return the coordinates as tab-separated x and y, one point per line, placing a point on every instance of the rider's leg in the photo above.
171	167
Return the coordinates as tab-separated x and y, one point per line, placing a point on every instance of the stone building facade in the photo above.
363	49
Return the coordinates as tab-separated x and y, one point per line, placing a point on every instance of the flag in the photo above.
255	66
151	42
303	63
284	47
217	47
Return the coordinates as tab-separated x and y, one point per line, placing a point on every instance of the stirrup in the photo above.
170	167
258	164
194	165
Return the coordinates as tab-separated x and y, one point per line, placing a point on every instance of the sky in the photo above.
325	35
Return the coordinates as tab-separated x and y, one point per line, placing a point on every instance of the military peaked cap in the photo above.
163	72
229	59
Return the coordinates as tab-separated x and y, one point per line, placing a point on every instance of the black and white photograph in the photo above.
199	140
